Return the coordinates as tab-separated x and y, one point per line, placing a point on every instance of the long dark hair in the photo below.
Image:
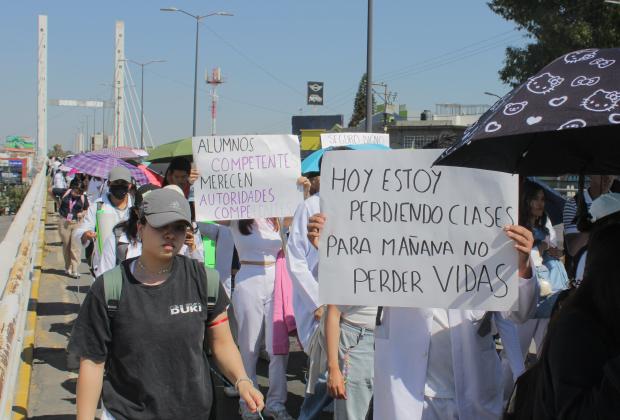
130	226
178	163
246	225
529	190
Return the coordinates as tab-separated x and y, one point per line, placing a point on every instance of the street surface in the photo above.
5	223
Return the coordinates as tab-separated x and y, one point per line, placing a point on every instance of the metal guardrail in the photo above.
17	253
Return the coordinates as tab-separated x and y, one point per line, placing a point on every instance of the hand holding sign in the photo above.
524	241
400	232
315	227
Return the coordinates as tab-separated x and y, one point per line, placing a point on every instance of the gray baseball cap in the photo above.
120	173
164	206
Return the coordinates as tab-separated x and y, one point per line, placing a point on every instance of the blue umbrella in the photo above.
311	163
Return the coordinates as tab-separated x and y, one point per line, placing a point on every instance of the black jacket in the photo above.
579	375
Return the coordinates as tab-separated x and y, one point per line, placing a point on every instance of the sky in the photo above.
440	51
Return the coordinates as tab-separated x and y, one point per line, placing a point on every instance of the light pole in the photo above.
142	65
492	94
369	70
198	19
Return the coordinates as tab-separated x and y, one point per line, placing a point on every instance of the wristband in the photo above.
221	321
246	379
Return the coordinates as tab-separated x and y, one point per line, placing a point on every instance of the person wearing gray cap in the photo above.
151	343
108	210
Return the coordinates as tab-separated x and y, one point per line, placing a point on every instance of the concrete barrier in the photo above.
17	252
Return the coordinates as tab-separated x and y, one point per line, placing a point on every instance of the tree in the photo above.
359	106
57	152
556	27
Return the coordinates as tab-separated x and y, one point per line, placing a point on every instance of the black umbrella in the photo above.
564	119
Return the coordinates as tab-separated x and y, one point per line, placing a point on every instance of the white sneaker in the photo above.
277	413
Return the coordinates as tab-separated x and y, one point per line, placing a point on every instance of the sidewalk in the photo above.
52	387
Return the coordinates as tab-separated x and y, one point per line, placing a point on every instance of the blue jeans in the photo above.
314	404
356	358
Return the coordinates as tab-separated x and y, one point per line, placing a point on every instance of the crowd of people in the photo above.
159	306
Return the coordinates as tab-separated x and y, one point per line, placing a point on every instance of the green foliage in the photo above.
57	152
359	106
12	196
555	27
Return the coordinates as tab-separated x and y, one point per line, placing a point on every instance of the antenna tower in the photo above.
215	80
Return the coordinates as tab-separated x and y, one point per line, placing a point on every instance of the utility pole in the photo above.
142	65
214	81
388	99
369	69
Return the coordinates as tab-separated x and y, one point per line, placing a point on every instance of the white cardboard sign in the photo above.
246	177
402	233
348	139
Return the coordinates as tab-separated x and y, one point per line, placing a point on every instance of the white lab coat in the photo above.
90	222
302	260
401	357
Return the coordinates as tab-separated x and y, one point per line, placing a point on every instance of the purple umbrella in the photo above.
121	153
101	165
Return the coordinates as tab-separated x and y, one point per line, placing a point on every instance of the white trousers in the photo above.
532	329
253	305
440	409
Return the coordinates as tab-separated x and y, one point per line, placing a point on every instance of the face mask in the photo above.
119	191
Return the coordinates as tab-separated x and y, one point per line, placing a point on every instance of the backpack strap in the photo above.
213	287
113	285
120	247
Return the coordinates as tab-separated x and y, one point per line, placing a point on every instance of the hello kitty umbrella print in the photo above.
564	119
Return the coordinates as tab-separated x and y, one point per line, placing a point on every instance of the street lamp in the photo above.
369	69
142	65
198	19
492	94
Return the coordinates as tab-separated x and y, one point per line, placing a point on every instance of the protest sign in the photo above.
402	233
246	177
347	139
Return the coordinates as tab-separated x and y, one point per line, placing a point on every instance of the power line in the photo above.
246	57
181	83
460	52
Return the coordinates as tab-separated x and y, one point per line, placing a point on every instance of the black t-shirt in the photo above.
153	346
79	204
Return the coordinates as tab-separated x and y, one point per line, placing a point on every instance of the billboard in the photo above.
18	142
315	122
315	93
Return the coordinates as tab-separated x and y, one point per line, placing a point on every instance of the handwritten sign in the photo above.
402	233
347	139
246	177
